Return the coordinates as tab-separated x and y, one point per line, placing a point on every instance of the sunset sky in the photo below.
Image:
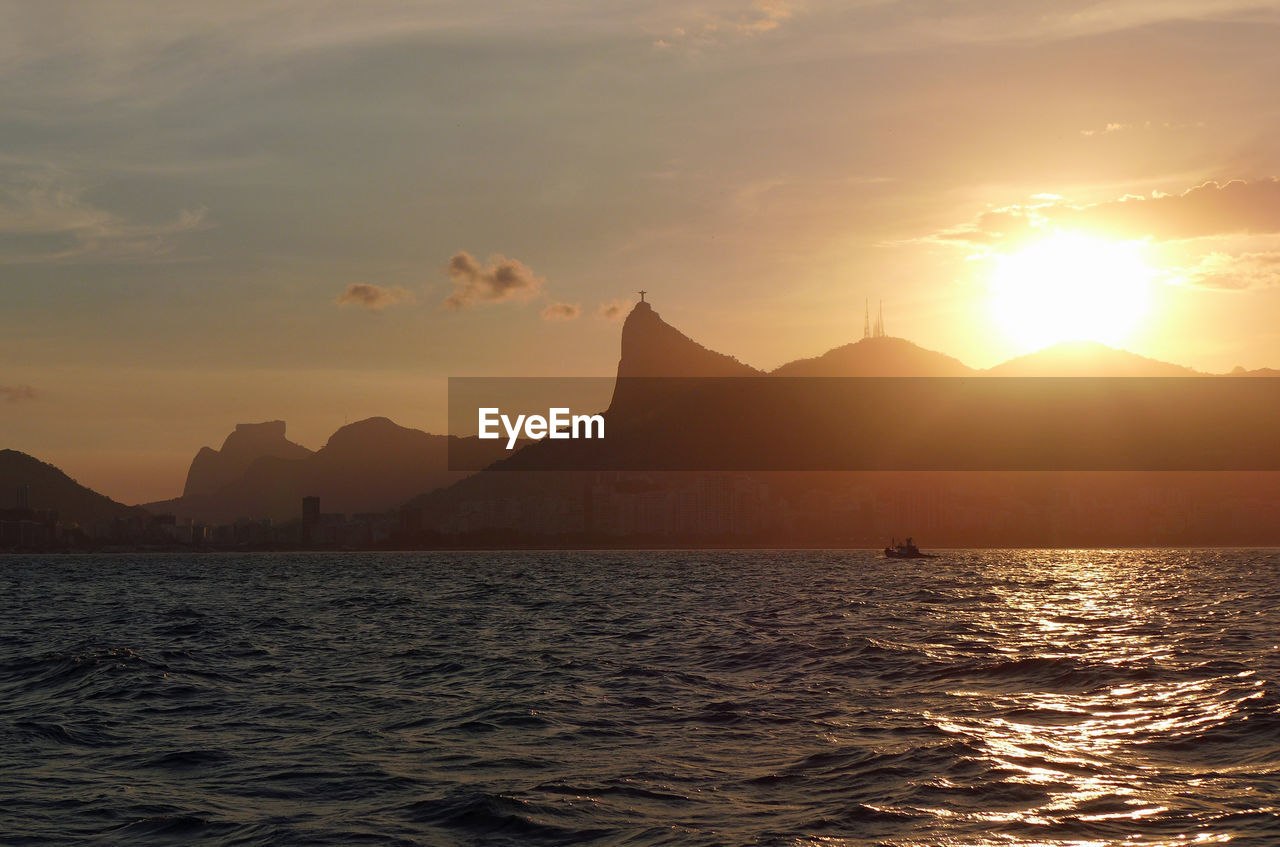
318	211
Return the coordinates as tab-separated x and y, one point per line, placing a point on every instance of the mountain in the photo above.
658	377
211	469
372	465
659	363
671	410
1087	359
638	483
50	488
651	347
679	405
878	356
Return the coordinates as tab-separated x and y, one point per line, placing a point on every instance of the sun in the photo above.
1070	288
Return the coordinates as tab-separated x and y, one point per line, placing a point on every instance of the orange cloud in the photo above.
1237	207
1236	273
707	26
614	311
372	296
561	312
502	279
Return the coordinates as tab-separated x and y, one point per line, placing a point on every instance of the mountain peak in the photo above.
247	436
1087	359
653	347
877	356
248	442
368	431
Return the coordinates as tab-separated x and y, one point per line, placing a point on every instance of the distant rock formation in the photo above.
212	469
369	466
50	488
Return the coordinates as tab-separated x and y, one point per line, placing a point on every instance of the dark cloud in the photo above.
615	310
502	279
17	393
1235	273
1237	207
372	296
561	312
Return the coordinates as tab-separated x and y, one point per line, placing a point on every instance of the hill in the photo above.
50	488
1087	359
878	356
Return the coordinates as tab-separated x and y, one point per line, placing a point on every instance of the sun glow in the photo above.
1070	288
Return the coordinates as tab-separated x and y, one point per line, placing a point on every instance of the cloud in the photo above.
373	296
45	219
561	312
502	279
1144	125
1233	273
764	16
1237	207
707	25
129	45
1223	234
1106	130
615	310
17	393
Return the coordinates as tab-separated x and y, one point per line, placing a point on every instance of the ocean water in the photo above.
772	698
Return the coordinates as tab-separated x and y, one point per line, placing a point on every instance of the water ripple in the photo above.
642	699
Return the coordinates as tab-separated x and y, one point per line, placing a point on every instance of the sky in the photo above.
319	211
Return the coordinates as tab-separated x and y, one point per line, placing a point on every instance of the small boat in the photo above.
905	550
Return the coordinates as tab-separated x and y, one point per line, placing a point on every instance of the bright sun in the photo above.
1070	288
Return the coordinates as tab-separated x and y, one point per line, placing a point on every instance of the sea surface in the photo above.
727	698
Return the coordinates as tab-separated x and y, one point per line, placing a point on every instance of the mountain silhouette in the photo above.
212	469
1086	359
373	465
651	347
887	404
668	417
50	488
877	356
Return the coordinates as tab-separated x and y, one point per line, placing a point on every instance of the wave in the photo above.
642	699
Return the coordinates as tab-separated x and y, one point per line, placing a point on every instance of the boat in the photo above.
905	550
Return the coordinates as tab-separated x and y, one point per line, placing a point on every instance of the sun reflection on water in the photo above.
1094	752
